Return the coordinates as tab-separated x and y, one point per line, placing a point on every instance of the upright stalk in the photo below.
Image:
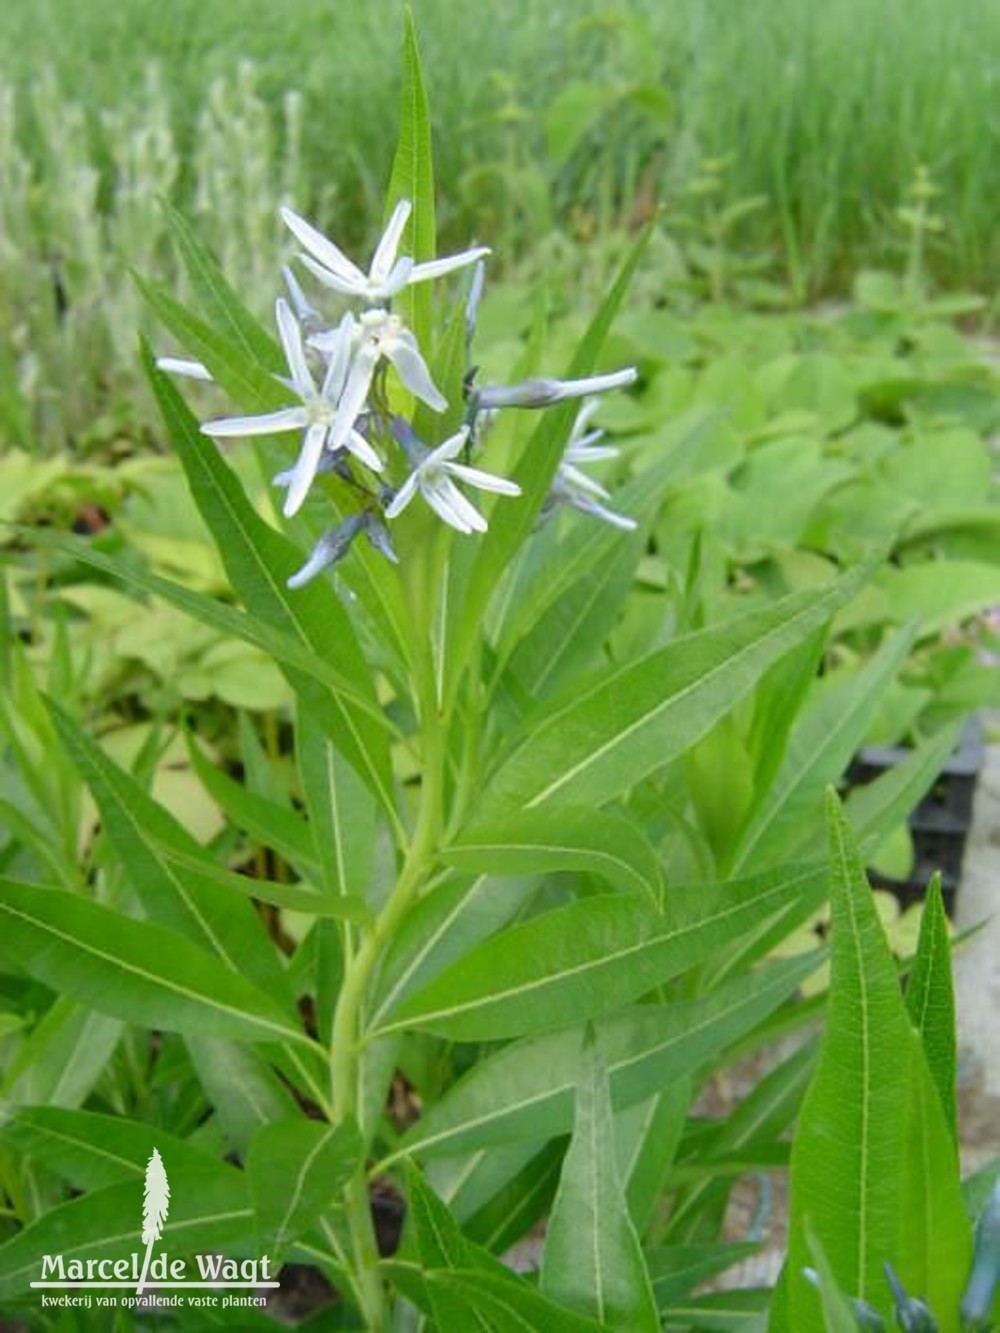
348	1035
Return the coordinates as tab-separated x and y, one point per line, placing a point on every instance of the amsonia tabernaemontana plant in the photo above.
505	920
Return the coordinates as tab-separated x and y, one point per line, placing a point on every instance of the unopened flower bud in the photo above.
330	548
545	392
980	1290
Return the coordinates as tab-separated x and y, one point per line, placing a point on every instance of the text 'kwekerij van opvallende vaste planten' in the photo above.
525	880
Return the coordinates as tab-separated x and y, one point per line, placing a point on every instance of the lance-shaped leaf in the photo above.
593	1261
930	1000
592	956
873	1169
598	741
218	297
341	813
209	1211
259	561
296	1168
538	841
524	1092
133	970
413	179
826	735
511	524
193	900
91	1150
241	1086
459	1282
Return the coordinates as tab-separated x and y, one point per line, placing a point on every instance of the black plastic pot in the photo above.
940	824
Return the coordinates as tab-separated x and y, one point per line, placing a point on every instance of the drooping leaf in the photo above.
591	957
593	1261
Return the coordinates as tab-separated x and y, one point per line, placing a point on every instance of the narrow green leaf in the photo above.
259	561
593	1261
341	813
218	297
838	1316
596	742
855	1178
233	368
62	1059
296	1168
539	841
241	1086
930	1000
91	1151
878	807
286	649
824	739
464	1282
524	1092
413	178
195	904
439	929
590	957
511	524
133	970
647	1135
208	1211
678	1269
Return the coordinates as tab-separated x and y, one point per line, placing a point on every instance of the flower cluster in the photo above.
340	409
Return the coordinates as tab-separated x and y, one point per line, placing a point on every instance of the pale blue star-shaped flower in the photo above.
387	274
432	476
318	413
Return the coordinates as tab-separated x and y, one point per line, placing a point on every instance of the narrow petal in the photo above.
437	268
304	310
295	355
459	504
600	511
385	254
440	502
402	497
268	423
338	348
358	446
449	448
399	276
322	249
580	479
485	481
591	453
305	469
346	286
352	400
174	365
412	370
617	379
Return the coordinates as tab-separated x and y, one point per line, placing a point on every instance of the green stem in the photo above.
347	1041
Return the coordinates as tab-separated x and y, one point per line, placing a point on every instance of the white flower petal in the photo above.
358	446
436	268
440	502
174	365
402	497
352	400
268	423
591	453
463	508
617	379
485	481
385	254
291	341
345	286
304	470
580	479
321	248
449	448
337	345
398	277
412	370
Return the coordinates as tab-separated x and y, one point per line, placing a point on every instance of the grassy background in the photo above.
826	110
